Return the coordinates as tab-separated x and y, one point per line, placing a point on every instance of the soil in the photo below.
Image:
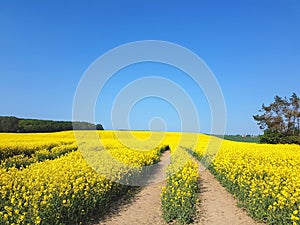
216	205
145	206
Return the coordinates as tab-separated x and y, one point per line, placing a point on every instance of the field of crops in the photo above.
45	179
179	196
265	178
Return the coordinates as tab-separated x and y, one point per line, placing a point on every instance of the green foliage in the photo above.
8	124
273	137
14	124
240	138
280	121
99	127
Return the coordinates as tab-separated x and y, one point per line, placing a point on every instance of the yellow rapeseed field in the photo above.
180	194
63	189
45	179
264	177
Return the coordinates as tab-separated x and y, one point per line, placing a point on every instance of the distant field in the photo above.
240	138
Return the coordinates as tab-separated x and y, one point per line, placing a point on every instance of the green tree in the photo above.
14	124
99	127
9	124
280	120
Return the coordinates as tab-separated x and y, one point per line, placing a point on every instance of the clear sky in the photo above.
252	47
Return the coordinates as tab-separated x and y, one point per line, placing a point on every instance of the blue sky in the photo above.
252	47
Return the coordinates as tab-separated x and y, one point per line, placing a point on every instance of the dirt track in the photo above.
217	206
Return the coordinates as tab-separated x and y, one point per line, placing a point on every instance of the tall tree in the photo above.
280	120
295	111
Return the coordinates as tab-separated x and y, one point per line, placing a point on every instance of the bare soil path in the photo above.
145	207
217	206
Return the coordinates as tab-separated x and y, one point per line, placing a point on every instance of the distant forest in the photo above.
14	124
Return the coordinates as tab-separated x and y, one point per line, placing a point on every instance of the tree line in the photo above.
280	120
14	124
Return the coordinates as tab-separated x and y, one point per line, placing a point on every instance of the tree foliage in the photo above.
14	124
280	120
8	124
